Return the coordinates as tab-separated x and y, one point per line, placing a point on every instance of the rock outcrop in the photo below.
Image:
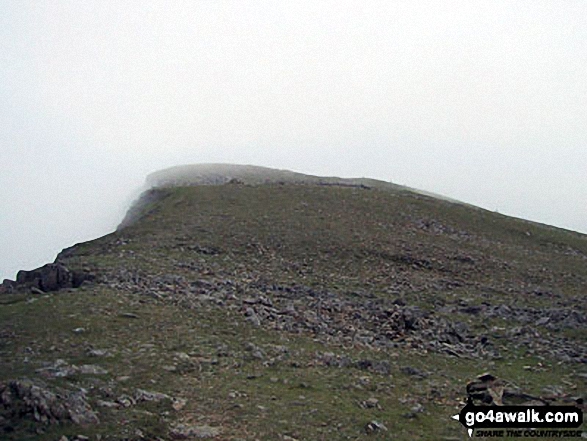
20	398
49	277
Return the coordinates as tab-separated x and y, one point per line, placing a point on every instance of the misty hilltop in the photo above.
216	174
241	302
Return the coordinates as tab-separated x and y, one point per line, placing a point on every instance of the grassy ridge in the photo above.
176	287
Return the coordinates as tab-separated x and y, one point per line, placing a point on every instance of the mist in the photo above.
483	102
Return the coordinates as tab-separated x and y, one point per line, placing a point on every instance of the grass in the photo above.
351	241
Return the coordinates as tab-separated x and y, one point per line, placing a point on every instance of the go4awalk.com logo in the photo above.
521	421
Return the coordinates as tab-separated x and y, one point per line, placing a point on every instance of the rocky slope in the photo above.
244	303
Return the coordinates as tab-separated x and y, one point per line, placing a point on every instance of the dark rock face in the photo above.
50	277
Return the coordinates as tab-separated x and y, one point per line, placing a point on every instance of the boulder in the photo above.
490	390
50	277
8	286
25	398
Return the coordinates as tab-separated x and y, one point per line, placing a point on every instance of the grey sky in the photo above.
483	101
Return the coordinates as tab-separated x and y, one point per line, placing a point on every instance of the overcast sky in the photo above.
482	101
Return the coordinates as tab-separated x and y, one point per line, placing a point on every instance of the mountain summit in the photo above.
216	174
239	302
